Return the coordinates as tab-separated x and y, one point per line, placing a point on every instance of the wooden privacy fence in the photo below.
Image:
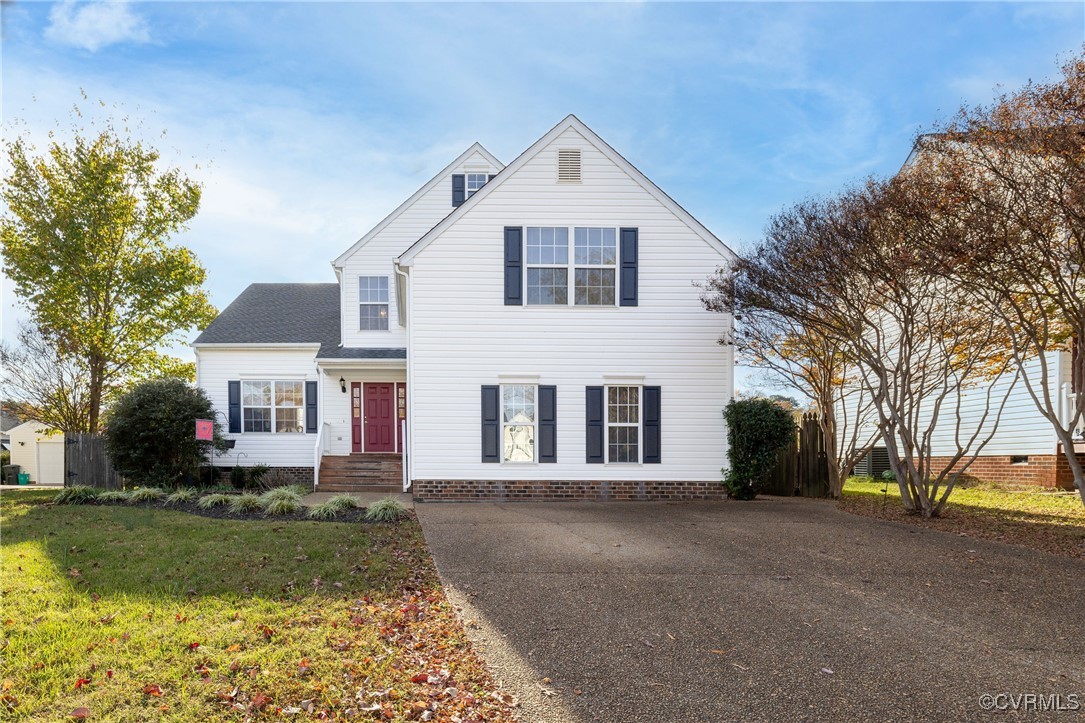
802	468
87	463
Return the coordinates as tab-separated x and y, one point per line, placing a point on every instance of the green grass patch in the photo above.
153	614
1037	517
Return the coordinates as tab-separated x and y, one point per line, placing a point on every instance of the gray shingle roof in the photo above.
288	314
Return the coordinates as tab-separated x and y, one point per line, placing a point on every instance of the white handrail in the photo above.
318	453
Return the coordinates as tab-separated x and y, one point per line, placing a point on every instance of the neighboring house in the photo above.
7	423
530	330
39	452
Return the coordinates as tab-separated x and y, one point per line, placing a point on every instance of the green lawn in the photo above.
147	614
1044	519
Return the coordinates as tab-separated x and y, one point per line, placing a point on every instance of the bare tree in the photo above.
1008	181
843	268
47	383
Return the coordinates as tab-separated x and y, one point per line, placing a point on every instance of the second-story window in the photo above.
373	303
595	257
475	181
547	265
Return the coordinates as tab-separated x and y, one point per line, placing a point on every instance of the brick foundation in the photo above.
598	490
297	475
1045	470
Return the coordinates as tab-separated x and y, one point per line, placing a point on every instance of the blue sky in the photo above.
308	122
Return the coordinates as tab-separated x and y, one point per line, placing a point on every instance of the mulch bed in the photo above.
222	512
1064	540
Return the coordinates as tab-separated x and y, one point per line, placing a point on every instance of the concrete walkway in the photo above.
776	609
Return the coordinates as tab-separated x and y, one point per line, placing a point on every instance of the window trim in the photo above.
638	425
386	303
571	266
467	192
273	407
535	422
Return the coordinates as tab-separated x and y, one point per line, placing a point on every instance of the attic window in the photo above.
568	165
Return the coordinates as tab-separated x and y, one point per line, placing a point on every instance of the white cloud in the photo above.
95	25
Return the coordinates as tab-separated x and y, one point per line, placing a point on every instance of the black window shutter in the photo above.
491	177
652	437
628	253
459	189
310	407
594	415
548	424
514	261
491	423
234	398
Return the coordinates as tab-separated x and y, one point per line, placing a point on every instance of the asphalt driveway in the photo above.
777	609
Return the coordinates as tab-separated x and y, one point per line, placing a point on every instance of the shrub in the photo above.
388	509
280	506
238	478
757	429
145	494
330	508
185	494
76	495
213	500
245	503
274	479
112	497
150	431
256	475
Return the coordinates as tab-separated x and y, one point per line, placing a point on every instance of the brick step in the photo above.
329	480
341	487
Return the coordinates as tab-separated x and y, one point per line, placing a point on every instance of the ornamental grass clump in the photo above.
388	509
246	502
216	499
280	505
77	495
185	494
145	494
113	497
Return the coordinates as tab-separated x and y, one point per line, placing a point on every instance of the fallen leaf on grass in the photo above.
233	648
74	572
192	646
153	689
81	682
303	666
107	619
80	714
259	701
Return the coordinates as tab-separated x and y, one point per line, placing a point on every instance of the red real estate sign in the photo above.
205	430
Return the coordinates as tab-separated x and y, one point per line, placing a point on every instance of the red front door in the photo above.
355	417
380	405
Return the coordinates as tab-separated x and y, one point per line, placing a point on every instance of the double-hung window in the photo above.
373	303
592	271
273	406
474	181
518	422
623	424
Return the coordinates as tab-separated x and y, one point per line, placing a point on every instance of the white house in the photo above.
530	330
39	452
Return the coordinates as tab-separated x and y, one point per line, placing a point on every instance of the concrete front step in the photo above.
359	488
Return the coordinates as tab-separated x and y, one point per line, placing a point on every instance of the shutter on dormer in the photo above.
459	189
234	402
310	407
652	436
514	262
628	255
593	414
491	423
491	177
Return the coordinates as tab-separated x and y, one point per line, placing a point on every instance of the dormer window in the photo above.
475	181
373	303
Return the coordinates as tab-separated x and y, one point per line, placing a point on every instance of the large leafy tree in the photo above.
86	242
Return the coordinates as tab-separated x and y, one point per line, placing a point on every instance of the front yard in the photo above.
132	613
1048	520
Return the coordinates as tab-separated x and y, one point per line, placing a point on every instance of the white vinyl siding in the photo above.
375	257
463	335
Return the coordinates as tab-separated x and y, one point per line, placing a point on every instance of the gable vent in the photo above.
568	165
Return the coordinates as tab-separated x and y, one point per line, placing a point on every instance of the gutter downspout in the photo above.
408	443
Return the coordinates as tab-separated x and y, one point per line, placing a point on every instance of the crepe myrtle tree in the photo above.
843	268
151	432
1005	216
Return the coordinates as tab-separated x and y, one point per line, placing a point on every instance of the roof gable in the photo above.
573	123
426	188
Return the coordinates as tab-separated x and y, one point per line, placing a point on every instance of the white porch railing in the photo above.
403	453
318	453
